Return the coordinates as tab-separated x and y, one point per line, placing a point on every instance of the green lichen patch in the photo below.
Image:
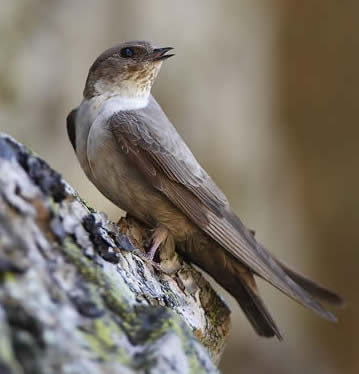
104	340
85	266
73	304
7	358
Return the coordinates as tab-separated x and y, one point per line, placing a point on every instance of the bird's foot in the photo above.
168	267
163	242
159	237
149	260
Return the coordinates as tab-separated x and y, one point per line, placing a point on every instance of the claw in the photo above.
161	239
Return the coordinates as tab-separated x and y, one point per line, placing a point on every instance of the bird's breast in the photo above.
113	173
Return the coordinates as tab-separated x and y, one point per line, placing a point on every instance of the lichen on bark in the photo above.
77	297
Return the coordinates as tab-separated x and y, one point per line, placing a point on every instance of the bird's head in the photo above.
127	70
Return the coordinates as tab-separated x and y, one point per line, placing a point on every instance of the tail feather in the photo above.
238	279
313	288
246	294
231	234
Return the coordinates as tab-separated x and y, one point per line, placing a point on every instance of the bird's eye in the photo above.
127	52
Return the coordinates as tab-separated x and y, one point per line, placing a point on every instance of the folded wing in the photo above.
159	152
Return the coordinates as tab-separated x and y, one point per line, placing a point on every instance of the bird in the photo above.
132	153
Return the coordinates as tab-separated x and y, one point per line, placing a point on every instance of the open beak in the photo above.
159	54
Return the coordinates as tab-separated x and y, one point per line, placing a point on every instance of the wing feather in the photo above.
171	168
168	154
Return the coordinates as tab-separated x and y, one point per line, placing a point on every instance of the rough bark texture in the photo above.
75	294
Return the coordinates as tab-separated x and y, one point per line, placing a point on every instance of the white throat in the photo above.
115	104
125	96
102	107
122	103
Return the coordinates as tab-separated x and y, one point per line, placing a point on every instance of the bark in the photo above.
77	297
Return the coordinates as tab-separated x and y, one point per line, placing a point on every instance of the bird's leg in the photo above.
163	240
159	237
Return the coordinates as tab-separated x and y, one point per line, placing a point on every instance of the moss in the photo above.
112	292
194	364
172	322
117	303
86	267
95	345
183	332
102	341
83	202
54	206
7	357
7	276
103	331
94	296
143	325
115	293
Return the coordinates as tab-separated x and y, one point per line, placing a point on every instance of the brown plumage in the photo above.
138	160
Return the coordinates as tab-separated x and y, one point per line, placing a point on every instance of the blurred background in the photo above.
264	93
